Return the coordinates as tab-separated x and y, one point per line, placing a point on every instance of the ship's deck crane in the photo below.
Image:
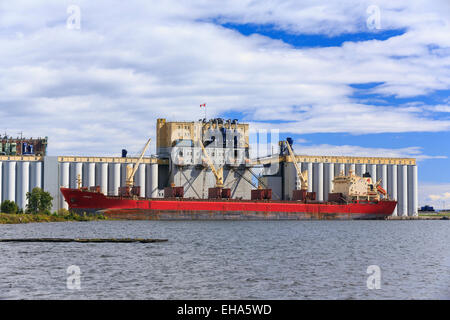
302	176
131	172
217	173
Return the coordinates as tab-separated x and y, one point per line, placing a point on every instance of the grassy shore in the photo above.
439	214
11	218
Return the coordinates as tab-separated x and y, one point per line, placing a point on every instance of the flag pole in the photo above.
204	106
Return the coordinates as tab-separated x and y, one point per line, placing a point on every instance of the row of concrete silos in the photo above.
17	177
109	176
400	181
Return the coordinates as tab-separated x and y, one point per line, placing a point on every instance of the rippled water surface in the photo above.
230	260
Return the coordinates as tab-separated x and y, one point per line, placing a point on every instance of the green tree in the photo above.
9	206
39	201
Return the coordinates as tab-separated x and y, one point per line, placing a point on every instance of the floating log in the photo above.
430	217
96	240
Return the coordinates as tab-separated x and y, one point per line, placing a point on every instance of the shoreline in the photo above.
17	218
445	216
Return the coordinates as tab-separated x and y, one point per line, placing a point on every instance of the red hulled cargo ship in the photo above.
222	209
353	197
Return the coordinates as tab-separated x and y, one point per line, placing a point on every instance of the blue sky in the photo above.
348	77
310	40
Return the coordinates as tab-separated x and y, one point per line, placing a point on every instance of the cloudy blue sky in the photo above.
329	74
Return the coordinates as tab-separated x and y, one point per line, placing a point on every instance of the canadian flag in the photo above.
203	105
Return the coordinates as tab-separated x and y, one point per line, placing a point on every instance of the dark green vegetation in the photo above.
439	214
60	216
9	207
39	201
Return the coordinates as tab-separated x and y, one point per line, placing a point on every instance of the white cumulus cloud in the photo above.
436	195
99	89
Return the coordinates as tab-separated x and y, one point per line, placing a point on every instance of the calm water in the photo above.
230	260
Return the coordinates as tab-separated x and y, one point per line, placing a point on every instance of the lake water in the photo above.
230	260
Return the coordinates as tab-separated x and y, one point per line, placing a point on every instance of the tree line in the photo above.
38	201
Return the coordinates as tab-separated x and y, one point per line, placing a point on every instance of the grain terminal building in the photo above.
179	162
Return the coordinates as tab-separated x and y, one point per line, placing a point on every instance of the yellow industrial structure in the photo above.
168	133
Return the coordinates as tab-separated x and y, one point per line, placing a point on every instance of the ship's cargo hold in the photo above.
135	191
173	192
226	193
216	193
303	195
299	195
336	197
124	191
261	194
94	189
219	193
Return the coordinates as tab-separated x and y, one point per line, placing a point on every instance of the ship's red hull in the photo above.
190	209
